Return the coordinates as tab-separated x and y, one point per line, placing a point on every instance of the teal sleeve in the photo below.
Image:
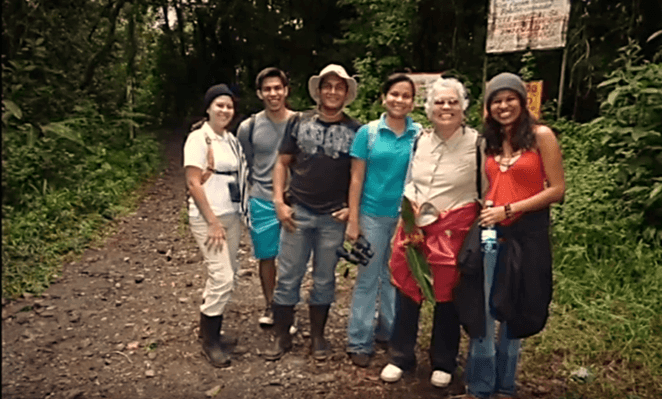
360	144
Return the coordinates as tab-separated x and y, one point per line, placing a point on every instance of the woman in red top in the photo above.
525	173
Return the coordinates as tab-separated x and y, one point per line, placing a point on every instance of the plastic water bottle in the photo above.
488	237
488	242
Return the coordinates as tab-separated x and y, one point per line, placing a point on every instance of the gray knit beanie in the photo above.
215	91
505	80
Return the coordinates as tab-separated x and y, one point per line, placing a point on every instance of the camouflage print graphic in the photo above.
332	141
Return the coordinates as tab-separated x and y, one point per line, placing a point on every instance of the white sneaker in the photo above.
293	327
267	319
391	373
440	379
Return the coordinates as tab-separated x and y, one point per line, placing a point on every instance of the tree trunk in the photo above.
105	49
180	30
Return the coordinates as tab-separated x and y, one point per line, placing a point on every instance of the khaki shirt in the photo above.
443	173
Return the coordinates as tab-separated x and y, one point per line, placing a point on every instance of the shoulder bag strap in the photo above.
479	161
206	174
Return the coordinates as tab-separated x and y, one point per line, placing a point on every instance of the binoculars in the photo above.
360	252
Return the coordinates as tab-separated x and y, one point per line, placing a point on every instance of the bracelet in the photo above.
509	211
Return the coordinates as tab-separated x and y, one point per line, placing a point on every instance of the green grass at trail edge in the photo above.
606	314
37	238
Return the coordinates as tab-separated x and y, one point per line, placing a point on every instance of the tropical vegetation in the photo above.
86	83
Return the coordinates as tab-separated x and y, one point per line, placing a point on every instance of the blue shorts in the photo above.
265	228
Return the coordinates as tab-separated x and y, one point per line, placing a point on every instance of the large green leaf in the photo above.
408	216
11	109
611	98
638	133
609	82
420	269
61	129
416	261
657	189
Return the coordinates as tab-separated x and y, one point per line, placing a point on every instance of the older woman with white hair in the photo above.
442	189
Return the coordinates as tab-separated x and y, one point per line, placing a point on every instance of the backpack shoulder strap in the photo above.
206	174
479	162
420	132
414	145
293	120
251	128
373	129
197	125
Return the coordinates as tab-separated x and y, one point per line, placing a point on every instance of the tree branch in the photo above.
105	49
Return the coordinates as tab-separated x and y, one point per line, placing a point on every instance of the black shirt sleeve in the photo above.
289	143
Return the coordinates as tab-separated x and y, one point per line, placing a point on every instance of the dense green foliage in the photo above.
193	44
198	44
69	146
630	127
608	261
606	314
81	79
58	189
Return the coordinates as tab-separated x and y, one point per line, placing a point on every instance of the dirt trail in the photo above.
122	322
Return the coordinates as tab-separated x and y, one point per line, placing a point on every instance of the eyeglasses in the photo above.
452	103
339	87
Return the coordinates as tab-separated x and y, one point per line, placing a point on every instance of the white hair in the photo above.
452	83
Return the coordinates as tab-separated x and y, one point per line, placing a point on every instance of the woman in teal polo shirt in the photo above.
381	152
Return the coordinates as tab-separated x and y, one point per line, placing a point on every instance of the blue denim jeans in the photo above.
492	366
373	282
322	235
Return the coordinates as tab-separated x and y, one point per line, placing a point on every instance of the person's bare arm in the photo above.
355	189
283	211
216	231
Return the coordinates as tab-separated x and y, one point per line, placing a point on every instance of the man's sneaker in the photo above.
267	319
360	359
440	379
391	373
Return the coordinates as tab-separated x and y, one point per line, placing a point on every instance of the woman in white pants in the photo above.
215	177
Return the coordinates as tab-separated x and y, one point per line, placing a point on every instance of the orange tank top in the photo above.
525	178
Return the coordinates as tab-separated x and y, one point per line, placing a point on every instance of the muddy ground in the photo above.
122	322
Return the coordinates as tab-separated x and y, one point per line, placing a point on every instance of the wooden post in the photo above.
562	82
129	94
485	72
484	113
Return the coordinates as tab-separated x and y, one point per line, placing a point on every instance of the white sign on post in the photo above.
515	25
421	82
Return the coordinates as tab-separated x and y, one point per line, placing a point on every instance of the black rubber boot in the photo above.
227	341
319	347
210	328
283	319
